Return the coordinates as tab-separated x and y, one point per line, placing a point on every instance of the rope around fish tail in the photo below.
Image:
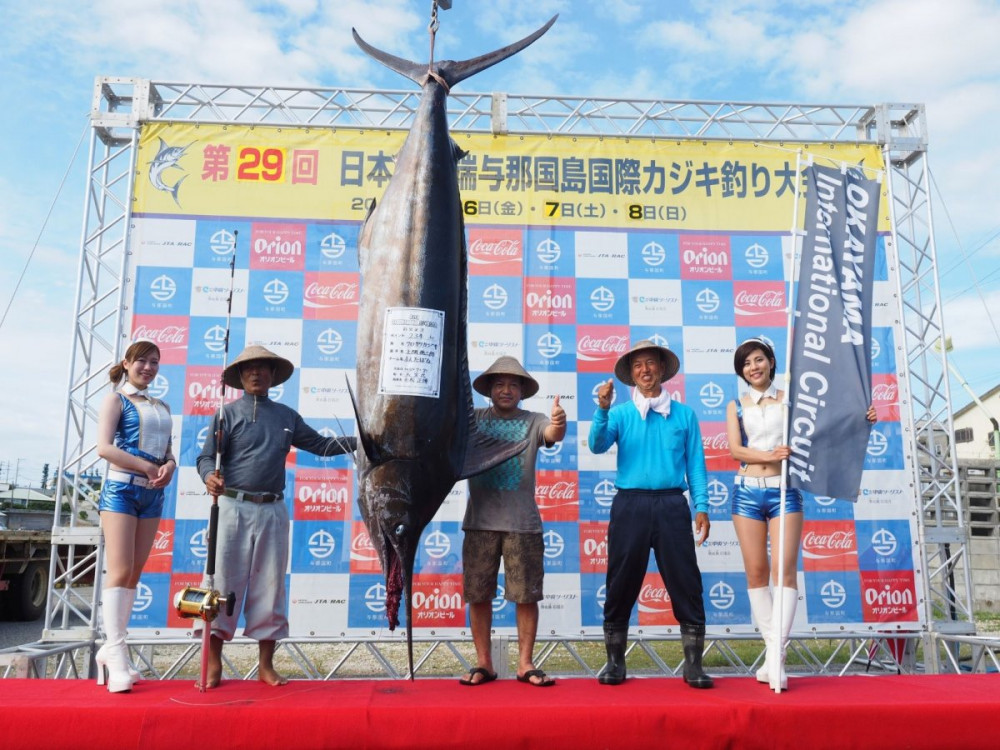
432	28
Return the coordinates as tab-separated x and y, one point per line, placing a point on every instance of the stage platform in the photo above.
946	711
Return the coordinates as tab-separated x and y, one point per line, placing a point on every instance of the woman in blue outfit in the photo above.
133	435
755	427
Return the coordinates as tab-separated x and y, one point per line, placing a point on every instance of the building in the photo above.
973	428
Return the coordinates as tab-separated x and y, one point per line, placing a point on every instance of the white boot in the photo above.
760	606
112	657
126	615
789	600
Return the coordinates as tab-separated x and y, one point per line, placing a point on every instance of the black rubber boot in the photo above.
615	640
693	640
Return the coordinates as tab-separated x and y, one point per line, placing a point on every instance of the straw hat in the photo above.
623	367
506	366
283	369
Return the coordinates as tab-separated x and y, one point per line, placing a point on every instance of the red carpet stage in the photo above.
947	711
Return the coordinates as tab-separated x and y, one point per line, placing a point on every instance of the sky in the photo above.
941	54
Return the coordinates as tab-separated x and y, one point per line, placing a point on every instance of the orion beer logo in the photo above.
278	246
322	544
332	246
721	595
705	257
162	288
756	256
547	300
222	242
653	254
548	251
833	594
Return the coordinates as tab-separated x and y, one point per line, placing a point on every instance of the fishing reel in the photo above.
203	604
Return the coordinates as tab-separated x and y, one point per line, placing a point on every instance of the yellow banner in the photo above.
585	181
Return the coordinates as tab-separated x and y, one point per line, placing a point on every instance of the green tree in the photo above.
45	476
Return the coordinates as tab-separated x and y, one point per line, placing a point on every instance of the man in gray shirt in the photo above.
252	545
502	520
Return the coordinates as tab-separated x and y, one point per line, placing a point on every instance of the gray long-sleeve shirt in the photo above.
257	435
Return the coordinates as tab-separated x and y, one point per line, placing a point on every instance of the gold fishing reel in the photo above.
203	604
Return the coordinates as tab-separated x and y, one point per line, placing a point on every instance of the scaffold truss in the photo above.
121	105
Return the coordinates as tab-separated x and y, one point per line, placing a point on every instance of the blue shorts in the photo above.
131	499
763	503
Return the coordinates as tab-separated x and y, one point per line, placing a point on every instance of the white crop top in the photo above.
763	425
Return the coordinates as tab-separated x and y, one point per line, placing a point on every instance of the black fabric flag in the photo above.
830	365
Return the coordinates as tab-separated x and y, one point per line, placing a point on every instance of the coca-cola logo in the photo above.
650	594
162	541
835	541
346	291
362	549
556	491
884	392
770	299
716	442
165	335
615	345
503	249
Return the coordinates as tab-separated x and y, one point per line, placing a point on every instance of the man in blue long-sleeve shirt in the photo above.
660	455
257	434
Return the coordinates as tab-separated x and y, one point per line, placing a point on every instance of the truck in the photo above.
25	552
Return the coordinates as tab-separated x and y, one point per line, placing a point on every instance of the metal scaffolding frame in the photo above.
121	105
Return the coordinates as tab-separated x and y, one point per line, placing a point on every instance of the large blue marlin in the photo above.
414	403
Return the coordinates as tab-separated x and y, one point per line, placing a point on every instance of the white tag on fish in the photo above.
411	352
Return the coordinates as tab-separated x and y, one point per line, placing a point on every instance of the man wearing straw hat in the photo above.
660	455
502	520
257	434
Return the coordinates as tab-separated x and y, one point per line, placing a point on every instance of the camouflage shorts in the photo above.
522	563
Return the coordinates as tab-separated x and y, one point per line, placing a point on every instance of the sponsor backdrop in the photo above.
577	246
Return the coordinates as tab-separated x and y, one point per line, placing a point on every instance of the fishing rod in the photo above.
205	603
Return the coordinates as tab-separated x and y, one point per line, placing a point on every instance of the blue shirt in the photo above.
656	453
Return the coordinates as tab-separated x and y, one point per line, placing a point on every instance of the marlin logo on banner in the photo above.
830	364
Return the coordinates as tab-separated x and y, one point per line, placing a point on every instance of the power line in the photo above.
965	257
45	223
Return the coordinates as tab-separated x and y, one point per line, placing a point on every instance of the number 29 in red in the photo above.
257	164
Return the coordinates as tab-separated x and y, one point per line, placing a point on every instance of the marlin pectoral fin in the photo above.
367	444
483	452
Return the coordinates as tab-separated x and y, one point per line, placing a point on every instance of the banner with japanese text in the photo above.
577	246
